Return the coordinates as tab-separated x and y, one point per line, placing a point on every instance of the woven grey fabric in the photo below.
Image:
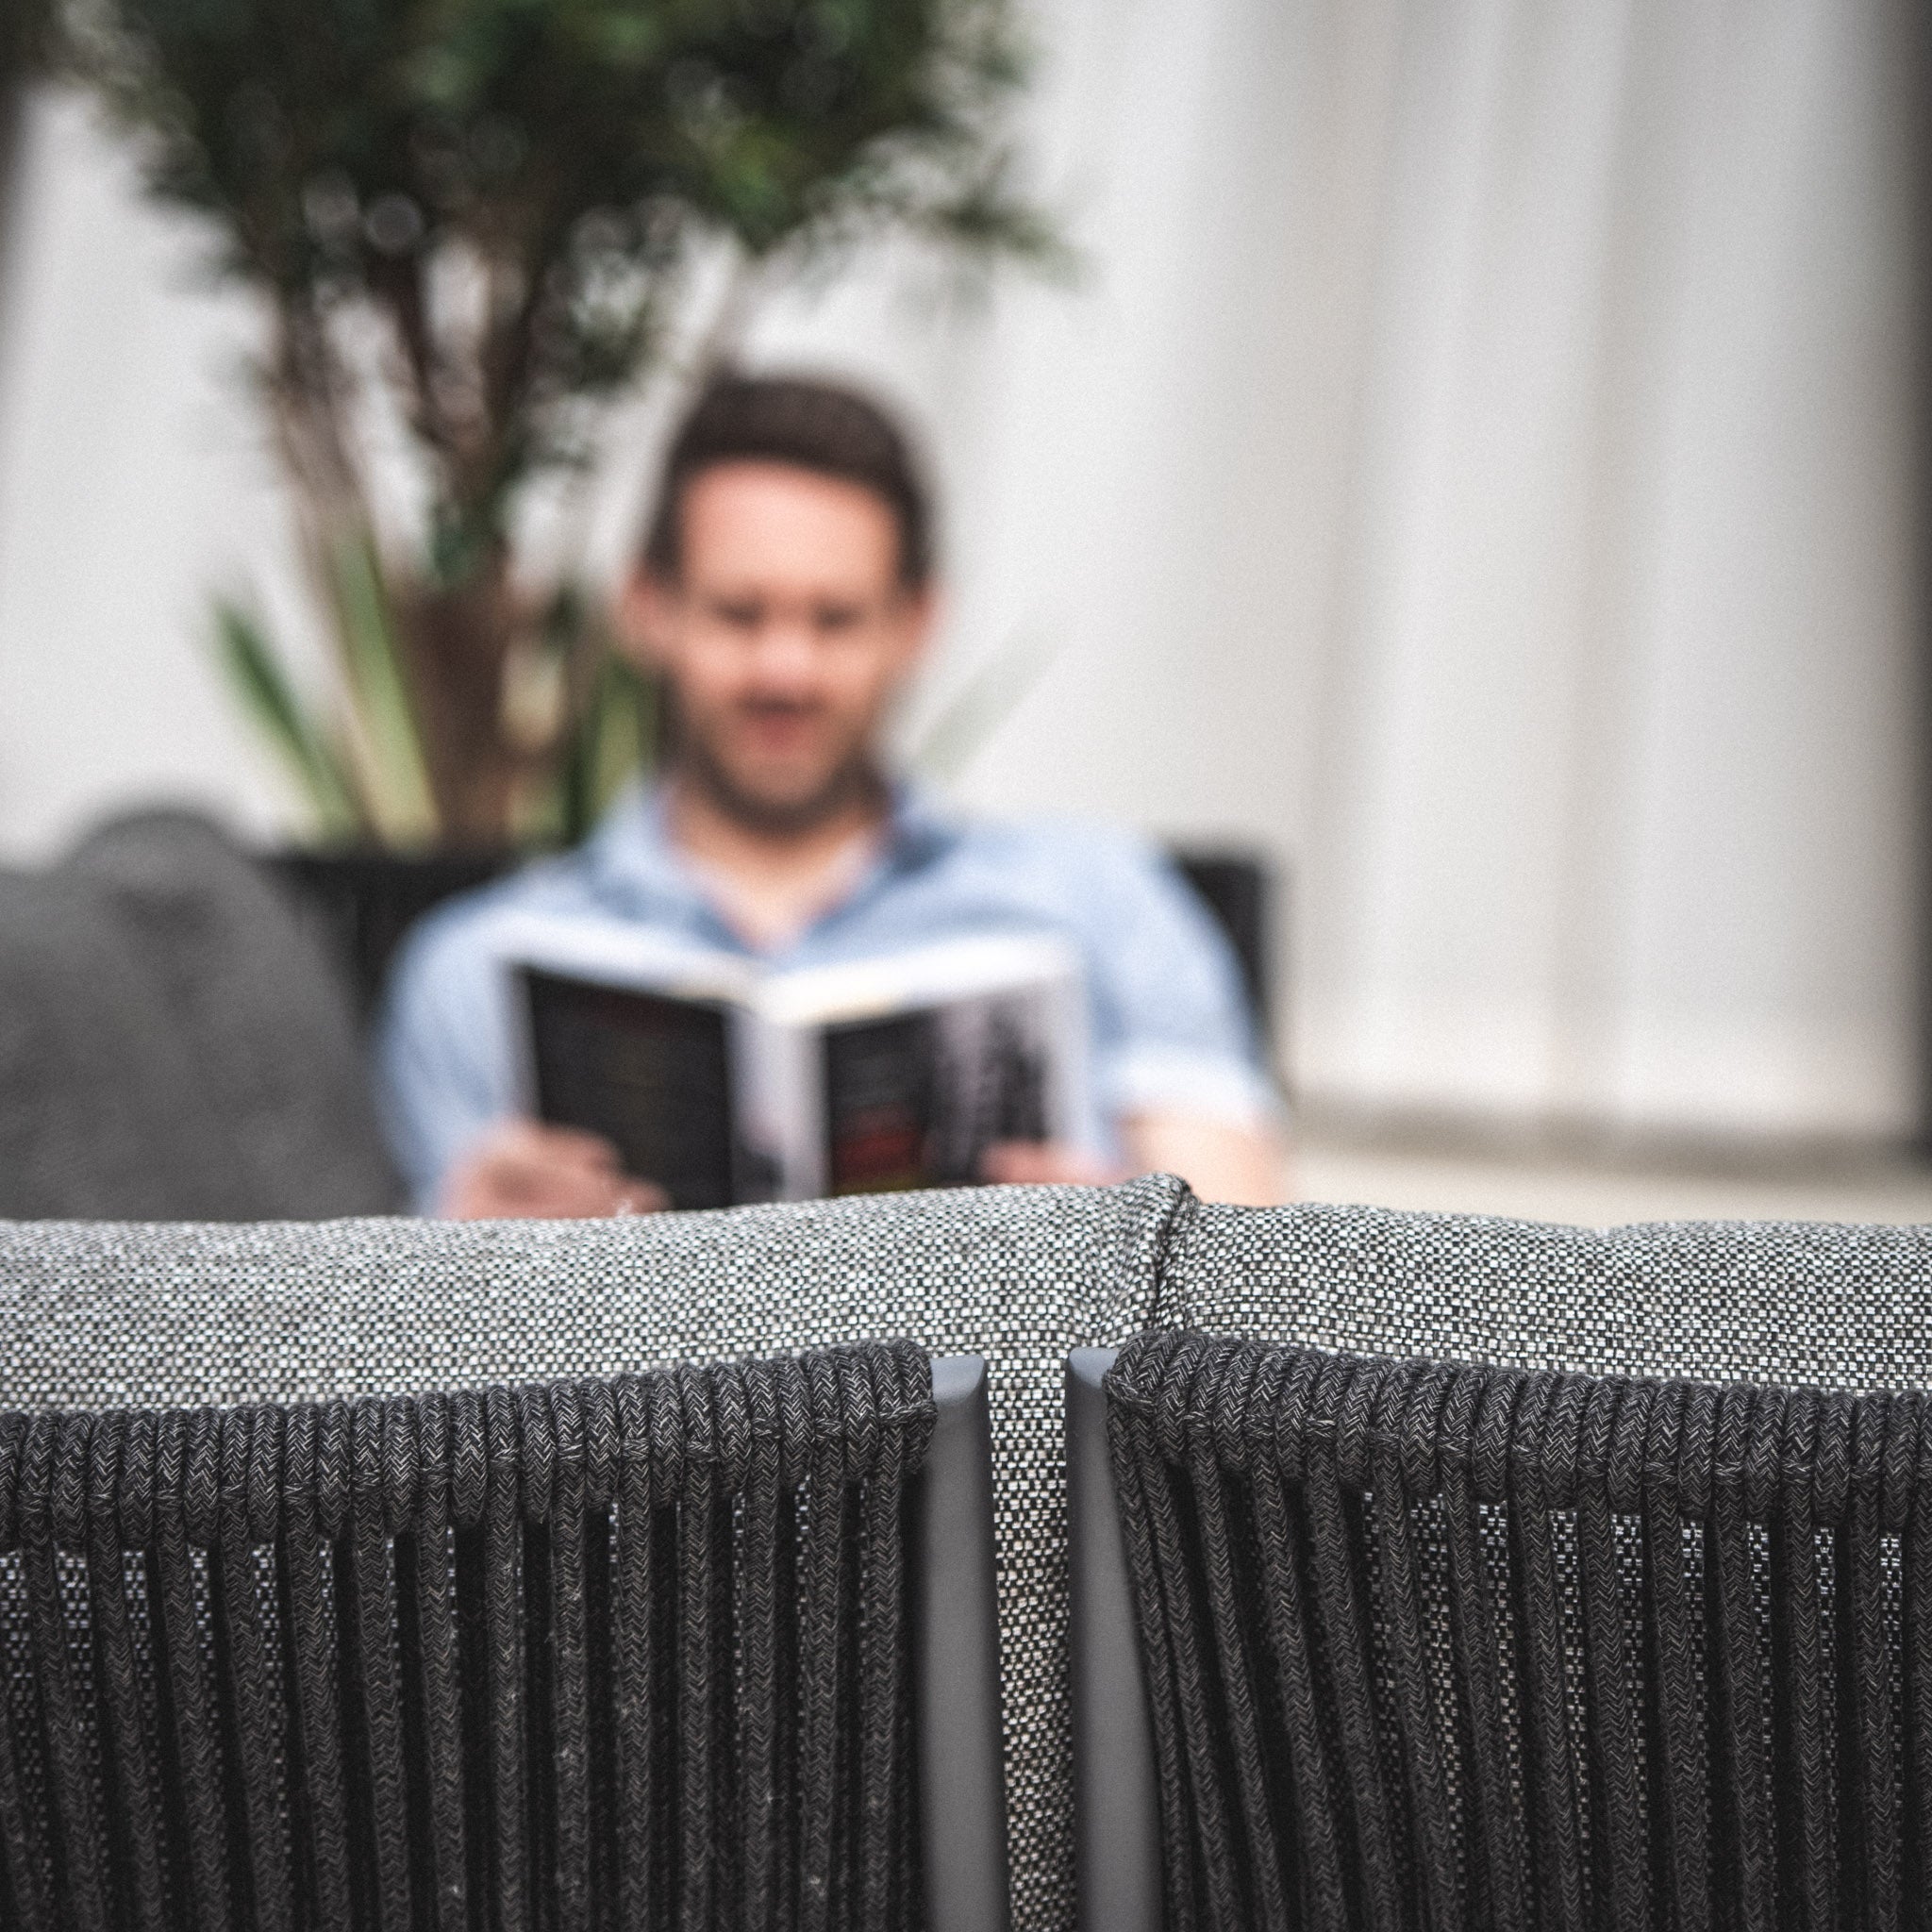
1574	1649
1436	1646
629	1651
1835	1307
100	1315
174	1043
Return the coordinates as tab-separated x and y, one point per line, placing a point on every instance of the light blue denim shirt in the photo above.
1169	1024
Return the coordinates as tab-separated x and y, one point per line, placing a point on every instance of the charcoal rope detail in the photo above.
1443	1647
625	1652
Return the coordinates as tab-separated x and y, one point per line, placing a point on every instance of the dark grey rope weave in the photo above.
626	1652
1435	1647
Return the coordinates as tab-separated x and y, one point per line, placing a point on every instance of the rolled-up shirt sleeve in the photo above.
1173	1032
445	1062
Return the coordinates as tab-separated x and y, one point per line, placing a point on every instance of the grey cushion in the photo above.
1834	1306
175	1043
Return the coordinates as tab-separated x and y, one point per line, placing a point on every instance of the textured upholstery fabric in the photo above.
1436	1646
604	1652
96	1316
174	1043
1582	1650
1838	1307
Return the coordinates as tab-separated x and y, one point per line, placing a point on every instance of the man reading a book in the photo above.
784	595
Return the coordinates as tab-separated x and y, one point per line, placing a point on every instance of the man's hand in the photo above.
1045	1163
1219	1161
1247	1166
525	1171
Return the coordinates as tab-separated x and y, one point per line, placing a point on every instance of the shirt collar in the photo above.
636	867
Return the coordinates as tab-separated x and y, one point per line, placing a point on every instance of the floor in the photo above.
1603	1190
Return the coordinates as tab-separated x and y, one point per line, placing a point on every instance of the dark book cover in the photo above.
906	1108
651	1074
724	1085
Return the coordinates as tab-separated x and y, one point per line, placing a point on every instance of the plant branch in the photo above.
579	156
398	290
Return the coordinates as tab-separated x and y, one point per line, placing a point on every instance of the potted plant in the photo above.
474	222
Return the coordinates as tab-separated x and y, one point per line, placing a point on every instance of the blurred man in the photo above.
785	596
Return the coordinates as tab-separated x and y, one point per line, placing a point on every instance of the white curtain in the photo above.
1474	463
1616	792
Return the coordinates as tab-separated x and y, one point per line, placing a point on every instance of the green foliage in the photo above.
616	736
512	189
397	803
982	701
609	736
24	35
315	762
568	151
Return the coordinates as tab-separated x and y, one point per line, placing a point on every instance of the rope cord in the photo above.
1431	1647
592	1653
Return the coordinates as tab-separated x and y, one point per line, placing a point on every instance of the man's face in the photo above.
784	640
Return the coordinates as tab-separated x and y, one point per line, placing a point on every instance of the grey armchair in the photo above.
1432	1571
175	1043
96	1317
698	1648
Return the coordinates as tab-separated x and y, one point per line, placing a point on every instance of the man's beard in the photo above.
856	780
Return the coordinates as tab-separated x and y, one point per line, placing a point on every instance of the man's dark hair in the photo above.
819	426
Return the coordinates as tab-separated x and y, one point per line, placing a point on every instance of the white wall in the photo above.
131	484
1475	465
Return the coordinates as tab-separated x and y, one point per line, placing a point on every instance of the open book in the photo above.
724	1081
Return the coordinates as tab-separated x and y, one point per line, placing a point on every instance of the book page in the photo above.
915	1063
723	1081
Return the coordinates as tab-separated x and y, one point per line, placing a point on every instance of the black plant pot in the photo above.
1238	889
363	901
